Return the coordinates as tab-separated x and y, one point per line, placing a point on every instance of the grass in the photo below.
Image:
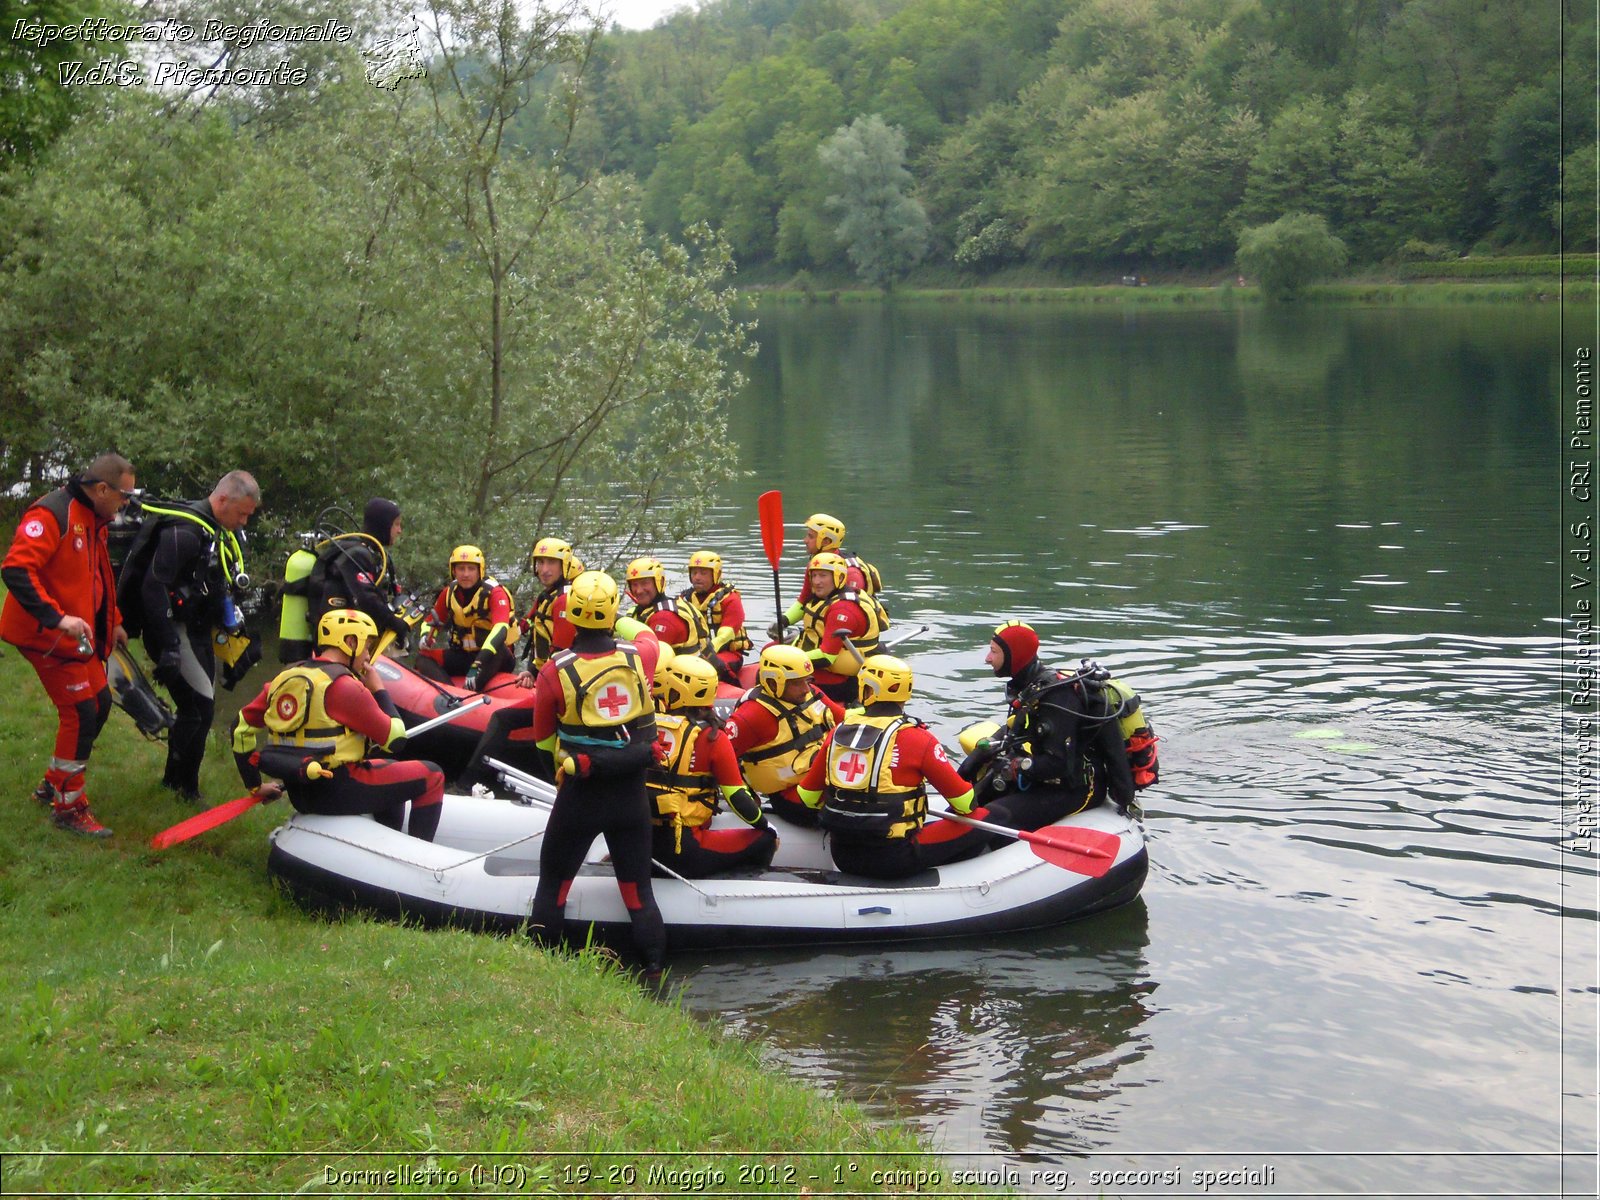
173	1024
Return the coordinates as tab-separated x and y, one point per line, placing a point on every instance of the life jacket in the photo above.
871	581
780	763
682	796
710	608
196	599
470	624
699	636
541	625
599	696
861	797
814	617
297	716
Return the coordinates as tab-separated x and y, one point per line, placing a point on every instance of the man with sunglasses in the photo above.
61	612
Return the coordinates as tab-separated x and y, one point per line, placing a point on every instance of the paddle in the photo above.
769	505
229	809
1086	851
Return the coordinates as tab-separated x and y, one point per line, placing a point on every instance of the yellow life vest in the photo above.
541	623
470	624
699	635
682	796
710	607
297	715
600	695
783	761
862	797
814	618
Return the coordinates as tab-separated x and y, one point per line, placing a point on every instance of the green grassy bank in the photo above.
172	1024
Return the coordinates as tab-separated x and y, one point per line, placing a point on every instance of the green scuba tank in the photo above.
295	642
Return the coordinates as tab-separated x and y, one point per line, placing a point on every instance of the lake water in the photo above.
1324	545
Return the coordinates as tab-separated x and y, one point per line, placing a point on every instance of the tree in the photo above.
1292	252
884	230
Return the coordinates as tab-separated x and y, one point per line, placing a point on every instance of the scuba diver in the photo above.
346	570
1062	746
871	778
477	618
180	584
696	772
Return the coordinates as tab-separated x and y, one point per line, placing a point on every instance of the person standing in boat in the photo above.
839	628
696	772
778	725
871	779
478	620
675	620
723	609
61	612
178	585
357	570
322	718
555	565
592	713
1059	750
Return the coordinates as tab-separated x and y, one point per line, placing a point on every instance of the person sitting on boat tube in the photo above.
840	626
723	608
827	533
593	715
322	718
556	565
871	778
676	621
1058	751
477	619
778	725
696	772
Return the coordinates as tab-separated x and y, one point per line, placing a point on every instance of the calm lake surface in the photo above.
1324	547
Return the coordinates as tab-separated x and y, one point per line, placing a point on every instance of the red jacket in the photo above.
58	567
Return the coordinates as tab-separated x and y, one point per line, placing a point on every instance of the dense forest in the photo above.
1105	134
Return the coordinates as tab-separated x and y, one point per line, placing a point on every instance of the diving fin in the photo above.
133	694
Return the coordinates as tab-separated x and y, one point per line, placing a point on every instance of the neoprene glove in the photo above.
169	667
473	682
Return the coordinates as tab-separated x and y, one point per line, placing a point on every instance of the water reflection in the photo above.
985	1047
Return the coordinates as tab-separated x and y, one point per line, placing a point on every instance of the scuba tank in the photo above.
1137	737
294	621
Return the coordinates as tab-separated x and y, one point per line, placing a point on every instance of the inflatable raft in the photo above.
482	869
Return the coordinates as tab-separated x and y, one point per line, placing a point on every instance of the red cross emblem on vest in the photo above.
614	700
287	708
852	766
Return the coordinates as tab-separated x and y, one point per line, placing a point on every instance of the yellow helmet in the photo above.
883	677
781	666
592	601
468	554
573	569
829	530
710	559
552	547
689	681
829	561
648	568
341	623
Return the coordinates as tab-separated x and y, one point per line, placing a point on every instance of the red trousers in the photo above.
82	698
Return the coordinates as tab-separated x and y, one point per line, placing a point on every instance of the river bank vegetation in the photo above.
174	1025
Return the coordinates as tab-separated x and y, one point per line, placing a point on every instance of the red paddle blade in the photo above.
1087	851
770	507
200	822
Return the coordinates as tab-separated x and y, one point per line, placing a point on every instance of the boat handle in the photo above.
876	908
